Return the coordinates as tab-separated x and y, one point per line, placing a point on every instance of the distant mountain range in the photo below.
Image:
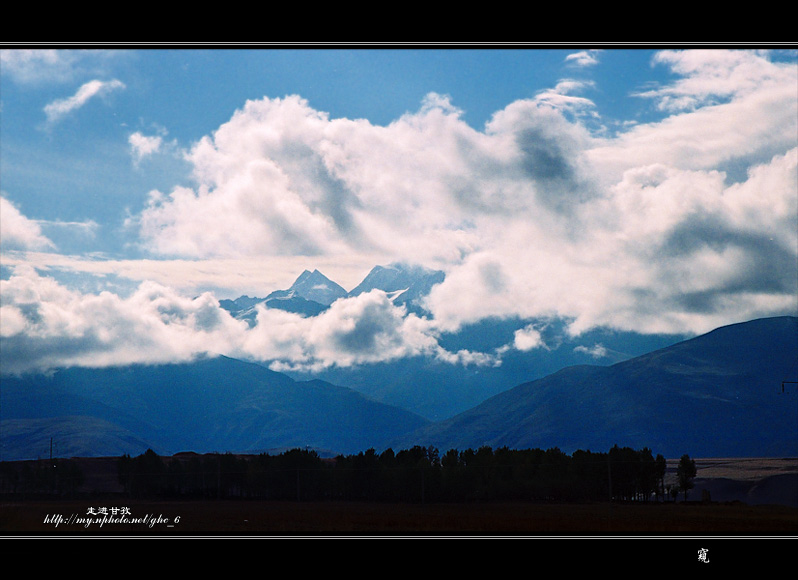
313	292
215	404
727	393
436	389
716	395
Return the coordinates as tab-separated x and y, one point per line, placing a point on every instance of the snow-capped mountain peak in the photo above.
312	292
317	287
313	286
403	282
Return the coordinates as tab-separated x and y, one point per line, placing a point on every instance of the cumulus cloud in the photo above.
727	107
596	351
564	96
282	178
528	338
17	232
367	328
142	146
46	325
532	217
710	77
58	109
26	236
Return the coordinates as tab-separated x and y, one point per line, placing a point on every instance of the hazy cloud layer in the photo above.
42	65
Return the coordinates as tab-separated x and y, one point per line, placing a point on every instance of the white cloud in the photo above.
56	110
532	217
725	104
46	325
564	98
225	277
19	232
27	65
584	58
709	77
363	329
281	178
46	65
528	338
596	351
142	146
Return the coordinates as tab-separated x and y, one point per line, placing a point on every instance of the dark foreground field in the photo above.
353	518
752	496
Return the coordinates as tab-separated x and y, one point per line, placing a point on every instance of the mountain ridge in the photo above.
313	286
718	394
214	404
715	395
312	292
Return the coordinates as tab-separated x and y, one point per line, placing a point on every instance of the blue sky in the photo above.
644	190
79	167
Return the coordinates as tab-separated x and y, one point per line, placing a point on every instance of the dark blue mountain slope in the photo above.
215	404
717	395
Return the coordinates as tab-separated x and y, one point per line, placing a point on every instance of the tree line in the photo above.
418	474
60	477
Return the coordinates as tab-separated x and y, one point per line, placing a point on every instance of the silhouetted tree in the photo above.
647	474
452	475
589	475
552	473
144	474
415	474
685	472
660	466
624	463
